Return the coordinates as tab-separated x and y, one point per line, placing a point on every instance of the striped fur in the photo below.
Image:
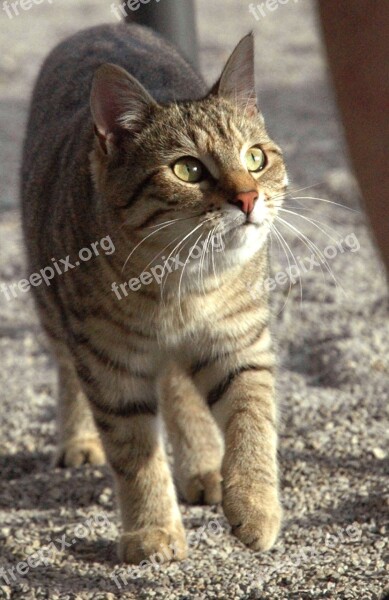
192	355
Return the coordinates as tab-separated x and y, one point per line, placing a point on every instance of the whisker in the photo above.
291	190
176	248
301	207
307	242
174	221
202	259
325	200
214	232
141	242
314	248
284	242
312	221
303	237
213	264
182	275
161	251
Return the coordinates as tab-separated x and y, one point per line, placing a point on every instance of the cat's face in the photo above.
197	170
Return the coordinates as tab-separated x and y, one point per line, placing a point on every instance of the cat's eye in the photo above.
189	169
255	159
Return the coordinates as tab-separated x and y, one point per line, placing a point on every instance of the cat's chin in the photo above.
243	242
238	247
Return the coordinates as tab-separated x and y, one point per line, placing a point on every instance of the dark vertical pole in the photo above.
356	36
174	19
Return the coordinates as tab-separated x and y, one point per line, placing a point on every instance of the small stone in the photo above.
5	592
56	493
379	453
104	499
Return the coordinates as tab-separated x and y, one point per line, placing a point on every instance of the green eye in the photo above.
189	169
255	159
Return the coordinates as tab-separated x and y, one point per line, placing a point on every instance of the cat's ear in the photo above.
119	104
237	81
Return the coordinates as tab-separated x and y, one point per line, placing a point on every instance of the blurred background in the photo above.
331	329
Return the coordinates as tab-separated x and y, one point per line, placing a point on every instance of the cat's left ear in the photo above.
237	81
119	104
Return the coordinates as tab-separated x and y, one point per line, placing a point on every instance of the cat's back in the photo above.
66	75
59	131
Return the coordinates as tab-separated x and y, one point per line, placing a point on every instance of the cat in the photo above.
125	142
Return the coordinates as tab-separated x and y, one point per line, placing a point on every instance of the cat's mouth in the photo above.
245	231
250	221
242	233
243	223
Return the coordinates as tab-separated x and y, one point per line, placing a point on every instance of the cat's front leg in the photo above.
151	519
244	404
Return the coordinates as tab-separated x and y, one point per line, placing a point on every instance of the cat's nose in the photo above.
245	201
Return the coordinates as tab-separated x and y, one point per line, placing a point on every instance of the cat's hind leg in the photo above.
195	437
79	442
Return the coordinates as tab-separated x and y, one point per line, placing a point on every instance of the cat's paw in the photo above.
254	515
201	489
77	452
157	543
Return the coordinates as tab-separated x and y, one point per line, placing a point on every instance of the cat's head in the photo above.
186	171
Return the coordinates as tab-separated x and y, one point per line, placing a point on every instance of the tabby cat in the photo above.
125	143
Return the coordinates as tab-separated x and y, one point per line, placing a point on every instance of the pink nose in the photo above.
246	201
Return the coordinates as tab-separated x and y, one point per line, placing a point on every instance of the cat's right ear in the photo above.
237	81
119	105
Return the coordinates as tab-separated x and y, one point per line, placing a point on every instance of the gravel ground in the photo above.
332	334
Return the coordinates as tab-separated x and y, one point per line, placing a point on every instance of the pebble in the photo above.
379	453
